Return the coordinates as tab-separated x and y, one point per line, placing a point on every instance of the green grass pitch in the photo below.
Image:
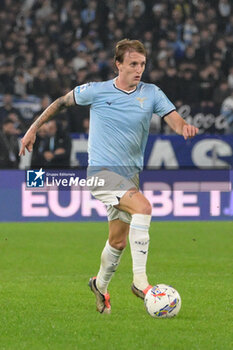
45	302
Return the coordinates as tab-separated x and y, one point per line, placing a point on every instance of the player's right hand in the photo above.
27	142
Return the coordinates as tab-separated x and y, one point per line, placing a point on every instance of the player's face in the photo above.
131	69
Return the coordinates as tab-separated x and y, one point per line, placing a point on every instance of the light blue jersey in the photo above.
119	123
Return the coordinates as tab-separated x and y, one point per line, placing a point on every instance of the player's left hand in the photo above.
189	131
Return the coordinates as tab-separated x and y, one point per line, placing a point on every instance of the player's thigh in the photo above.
118	233
134	202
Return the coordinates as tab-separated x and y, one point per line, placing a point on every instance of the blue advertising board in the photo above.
172	151
174	195
175	180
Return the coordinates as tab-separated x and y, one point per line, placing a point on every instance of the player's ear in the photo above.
118	65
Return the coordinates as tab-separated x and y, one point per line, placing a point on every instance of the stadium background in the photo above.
46	48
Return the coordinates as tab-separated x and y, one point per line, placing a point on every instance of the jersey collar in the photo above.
126	92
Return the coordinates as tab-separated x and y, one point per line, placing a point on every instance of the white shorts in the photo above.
115	187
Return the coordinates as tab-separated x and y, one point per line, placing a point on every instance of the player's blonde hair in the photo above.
127	45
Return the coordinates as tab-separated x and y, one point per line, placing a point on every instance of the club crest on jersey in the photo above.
141	100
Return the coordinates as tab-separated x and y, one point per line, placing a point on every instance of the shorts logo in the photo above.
35	178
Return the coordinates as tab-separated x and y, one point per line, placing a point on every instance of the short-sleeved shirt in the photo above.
120	122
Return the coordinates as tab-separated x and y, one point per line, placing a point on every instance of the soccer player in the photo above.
120	115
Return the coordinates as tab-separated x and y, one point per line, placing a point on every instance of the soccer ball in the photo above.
162	301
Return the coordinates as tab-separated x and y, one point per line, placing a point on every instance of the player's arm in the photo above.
58	105
179	125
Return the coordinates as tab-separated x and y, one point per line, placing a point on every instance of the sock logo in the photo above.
141	242
143	251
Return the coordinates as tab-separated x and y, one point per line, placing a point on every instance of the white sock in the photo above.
110	260
139	244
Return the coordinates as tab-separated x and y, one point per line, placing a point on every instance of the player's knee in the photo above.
121	245
118	244
145	208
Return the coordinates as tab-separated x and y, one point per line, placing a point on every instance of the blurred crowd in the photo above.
47	47
52	148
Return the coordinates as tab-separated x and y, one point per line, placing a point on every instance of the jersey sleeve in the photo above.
84	94
162	104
